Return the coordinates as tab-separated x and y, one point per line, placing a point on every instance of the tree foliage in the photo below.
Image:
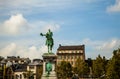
64	70
113	67
81	68
29	75
99	66
1	58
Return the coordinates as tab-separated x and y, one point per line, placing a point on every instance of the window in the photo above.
16	76
16	61
78	51
20	76
81	51
81	57
71	57
62	51
68	57
64	57
31	67
59	52
75	56
78	57
70	51
74	51
66	51
71	62
59	57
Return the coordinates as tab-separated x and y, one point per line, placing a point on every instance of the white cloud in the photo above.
103	47
16	50
43	26
92	43
14	25
92	48
17	24
115	7
108	45
41	3
95	47
8	49
52	26
9	7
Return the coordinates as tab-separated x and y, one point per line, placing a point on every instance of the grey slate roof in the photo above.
75	47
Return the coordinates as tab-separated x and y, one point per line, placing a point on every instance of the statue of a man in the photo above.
49	40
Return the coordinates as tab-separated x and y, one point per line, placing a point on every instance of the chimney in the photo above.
59	45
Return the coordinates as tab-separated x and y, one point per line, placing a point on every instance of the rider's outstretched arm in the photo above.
42	34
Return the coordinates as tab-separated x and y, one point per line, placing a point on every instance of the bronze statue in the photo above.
49	40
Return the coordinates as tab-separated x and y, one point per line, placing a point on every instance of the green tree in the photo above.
64	70
1	58
81	68
89	61
99	66
113	67
40	71
29	75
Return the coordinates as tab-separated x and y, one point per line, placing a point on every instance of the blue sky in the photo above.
95	23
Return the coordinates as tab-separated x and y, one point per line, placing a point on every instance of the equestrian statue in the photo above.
49	40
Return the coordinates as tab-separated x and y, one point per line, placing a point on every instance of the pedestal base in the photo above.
51	76
51	57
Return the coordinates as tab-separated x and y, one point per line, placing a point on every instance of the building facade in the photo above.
70	53
20	68
14	67
16	60
35	69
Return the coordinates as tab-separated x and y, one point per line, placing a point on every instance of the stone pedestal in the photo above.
49	57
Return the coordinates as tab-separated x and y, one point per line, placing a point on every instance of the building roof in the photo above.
16	59
20	70
37	60
20	67
74	47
